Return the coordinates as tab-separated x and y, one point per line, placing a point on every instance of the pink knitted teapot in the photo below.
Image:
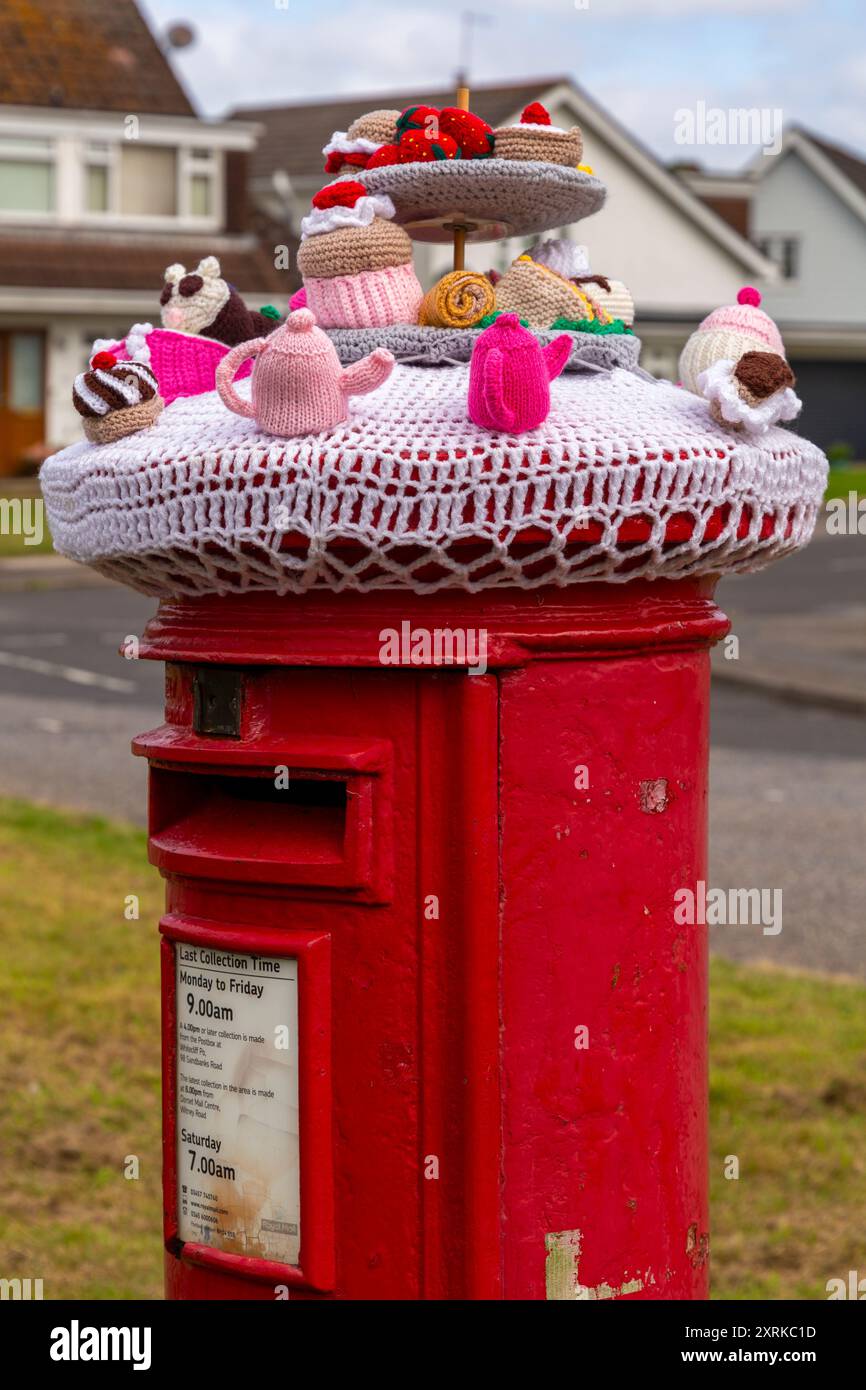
299	386
510	376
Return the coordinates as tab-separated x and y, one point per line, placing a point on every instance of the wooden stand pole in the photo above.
460	232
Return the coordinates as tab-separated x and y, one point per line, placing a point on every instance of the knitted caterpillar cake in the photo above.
442	474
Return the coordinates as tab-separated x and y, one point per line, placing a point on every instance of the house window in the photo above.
25	386
148	180
201	171
26	176
200	195
97	171
783	251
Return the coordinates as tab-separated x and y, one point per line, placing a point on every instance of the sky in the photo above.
646	61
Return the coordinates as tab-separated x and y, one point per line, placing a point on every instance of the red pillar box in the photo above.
431	1030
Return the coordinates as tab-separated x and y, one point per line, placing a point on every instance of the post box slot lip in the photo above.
219	815
324	753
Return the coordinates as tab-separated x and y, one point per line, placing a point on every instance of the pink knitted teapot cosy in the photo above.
299	386
510	376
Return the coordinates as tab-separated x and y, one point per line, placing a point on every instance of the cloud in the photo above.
726	53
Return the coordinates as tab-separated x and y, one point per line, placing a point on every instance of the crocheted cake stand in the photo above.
491	198
627	478
435	347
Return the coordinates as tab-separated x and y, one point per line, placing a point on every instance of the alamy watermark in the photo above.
846	516
712	125
438	646
23	516
729	907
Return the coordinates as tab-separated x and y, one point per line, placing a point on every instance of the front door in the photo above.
22	395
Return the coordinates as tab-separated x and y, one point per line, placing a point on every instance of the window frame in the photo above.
18	148
70	154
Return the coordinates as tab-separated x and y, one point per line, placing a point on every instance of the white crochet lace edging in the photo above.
625	479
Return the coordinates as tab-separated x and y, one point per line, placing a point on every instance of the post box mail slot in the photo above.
316	817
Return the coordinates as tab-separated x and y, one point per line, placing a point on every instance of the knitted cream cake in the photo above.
535	138
572	261
347	151
116	398
540	296
356	261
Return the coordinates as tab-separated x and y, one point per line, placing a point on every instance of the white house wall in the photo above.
791	200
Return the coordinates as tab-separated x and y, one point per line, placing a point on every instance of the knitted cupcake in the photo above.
728	333
347	151
116	398
534	138
736	361
356	261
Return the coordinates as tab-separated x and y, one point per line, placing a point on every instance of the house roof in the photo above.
94	55
294	134
849	164
841	170
127	262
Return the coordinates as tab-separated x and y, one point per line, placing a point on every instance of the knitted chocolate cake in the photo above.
115	399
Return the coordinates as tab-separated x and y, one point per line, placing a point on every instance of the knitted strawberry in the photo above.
338	158
474	136
534	114
386	154
345	193
416	147
417	118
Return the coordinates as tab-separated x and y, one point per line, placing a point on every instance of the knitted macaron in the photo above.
535	138
356	261
727	334
116	398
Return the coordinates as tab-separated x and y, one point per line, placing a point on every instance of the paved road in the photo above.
788	782
801	624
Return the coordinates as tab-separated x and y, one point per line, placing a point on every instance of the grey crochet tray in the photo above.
440	347
495	197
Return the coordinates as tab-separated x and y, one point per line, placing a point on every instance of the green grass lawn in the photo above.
845	480
79	1056
79	1080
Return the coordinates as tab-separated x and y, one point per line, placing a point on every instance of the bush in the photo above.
841	452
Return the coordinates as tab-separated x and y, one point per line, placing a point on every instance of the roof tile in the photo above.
94	55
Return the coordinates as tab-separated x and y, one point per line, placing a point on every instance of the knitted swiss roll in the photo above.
356	261
458	300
